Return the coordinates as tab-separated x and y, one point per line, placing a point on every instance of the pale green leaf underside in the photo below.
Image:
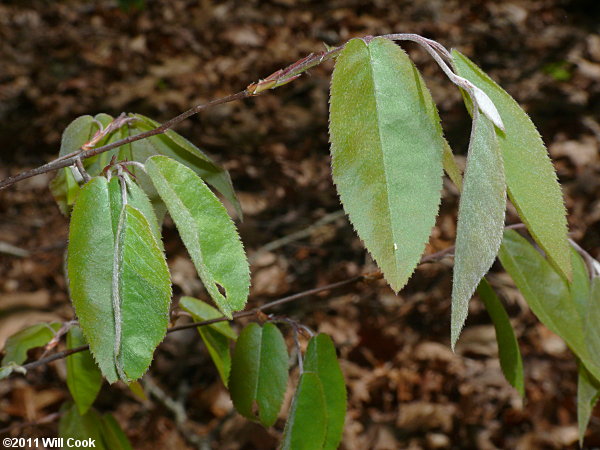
386	151
206	230
480	218
259	372
143	293
531	180
508	347
306	428
84	379
548	295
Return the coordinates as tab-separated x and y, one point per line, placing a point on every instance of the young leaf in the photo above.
83	377
112	434
588	392
119	281
451	168
75	426
216	336
259	373
386	151
547	294
17	345
508	347
480	218
177	147
206	230
306	424
530	176
321	360
145	294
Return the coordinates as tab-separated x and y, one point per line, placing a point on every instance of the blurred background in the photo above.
406	389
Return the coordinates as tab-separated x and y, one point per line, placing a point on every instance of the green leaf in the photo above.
547	294
119	281
216	336
206	230
580	285
259	373
451	168
112	434
480	218
83	376
73	425
386	148
17	345
306	425
530	177
588	392
590	323
177	147
321	359
508	347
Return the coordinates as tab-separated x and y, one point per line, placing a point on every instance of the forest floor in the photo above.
406	388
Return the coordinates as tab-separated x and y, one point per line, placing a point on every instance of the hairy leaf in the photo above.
216	336
480	218
588	392
386	151
119	280
259	373
547	294
306	425
321	359
83	376
530	176
17	345
508	347
206	230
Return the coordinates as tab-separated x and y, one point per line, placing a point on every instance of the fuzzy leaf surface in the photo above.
530	176
480	218
207	231
386	151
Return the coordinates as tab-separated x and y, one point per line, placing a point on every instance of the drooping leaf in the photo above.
17	345
206	230
451	168
588	392
547	294
119	281
580	285
591	320
75	426
306	425
113	435
321	360
83	376
530	177
259	373
508	347
177	147
480	218
386	153
216	336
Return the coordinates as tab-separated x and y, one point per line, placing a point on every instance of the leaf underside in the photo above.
530	176
119	280
480	218
386	148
